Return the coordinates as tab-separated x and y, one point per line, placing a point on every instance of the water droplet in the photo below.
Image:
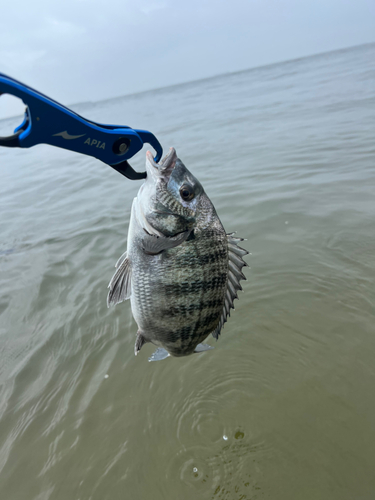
286	222
106	375
225	437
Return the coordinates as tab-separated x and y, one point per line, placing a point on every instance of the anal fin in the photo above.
162	353
203	347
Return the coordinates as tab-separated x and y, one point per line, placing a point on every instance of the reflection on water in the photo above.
283	406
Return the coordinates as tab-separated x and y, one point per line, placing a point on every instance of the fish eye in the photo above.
186	192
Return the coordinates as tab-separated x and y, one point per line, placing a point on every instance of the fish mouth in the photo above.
165	167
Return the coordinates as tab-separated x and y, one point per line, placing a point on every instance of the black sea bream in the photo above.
181	270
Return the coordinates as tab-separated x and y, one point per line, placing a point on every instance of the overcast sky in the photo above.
87	50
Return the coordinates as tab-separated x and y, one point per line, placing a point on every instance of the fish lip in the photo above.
165	167
151	160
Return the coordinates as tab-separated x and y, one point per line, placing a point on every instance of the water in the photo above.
284	406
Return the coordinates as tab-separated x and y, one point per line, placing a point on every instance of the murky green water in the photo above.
284	407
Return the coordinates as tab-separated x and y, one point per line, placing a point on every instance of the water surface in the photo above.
284	407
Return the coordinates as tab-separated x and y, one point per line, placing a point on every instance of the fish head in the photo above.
169	199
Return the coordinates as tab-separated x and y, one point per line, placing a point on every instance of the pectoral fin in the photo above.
153	244
120	284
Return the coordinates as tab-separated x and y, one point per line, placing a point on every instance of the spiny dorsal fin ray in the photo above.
120	284
236	249
235	274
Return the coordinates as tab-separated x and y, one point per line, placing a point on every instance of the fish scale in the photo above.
186	295
181	270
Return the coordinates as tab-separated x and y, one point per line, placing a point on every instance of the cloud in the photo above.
90	50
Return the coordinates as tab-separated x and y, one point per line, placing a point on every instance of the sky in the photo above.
88	50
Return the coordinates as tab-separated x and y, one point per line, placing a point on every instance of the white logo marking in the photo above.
94	142
65	135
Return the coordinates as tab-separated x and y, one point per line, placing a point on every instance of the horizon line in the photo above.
187	82
223	74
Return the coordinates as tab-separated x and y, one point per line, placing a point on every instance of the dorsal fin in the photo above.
120	284
235	275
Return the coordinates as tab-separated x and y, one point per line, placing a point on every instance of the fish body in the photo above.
181	270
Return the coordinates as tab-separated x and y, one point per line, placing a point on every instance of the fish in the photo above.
181	270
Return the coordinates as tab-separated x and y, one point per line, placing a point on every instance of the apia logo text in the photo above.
94	142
